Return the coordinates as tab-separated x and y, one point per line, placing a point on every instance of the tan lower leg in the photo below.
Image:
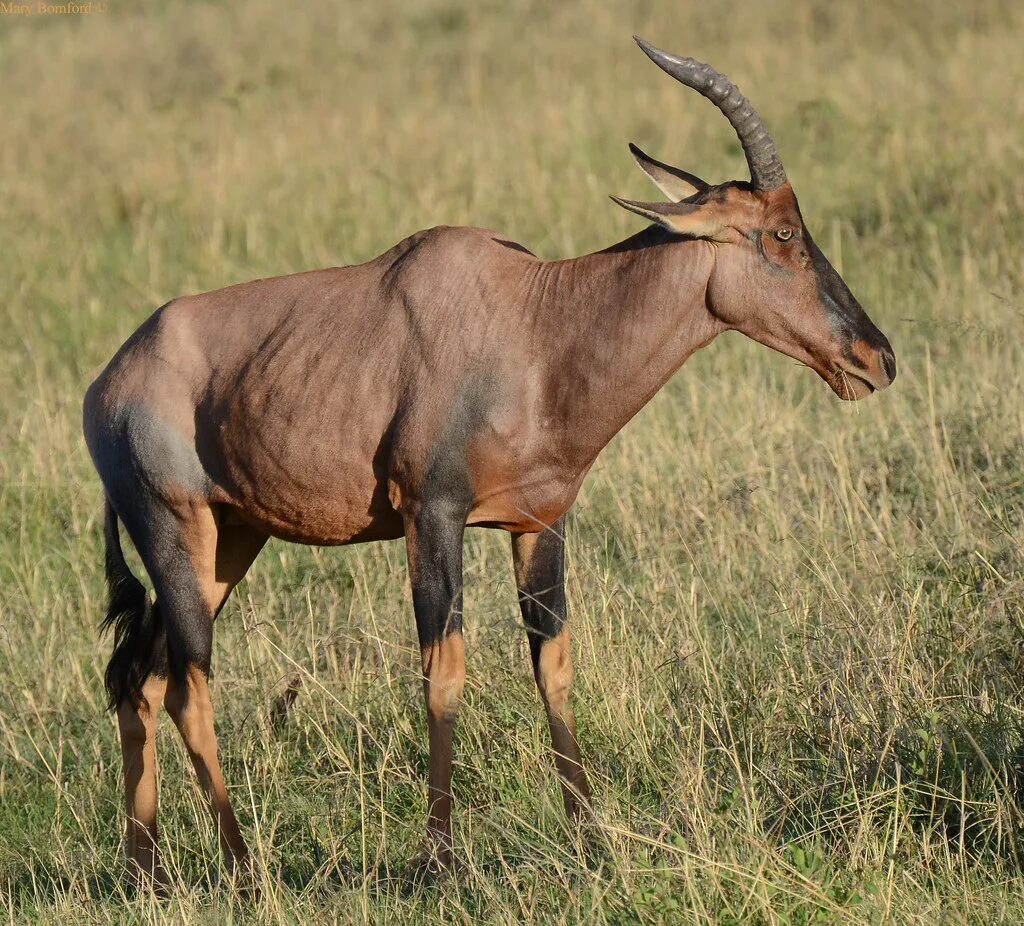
137	727
554	680
444	677
192	712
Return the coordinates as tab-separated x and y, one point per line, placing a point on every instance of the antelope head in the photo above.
770	280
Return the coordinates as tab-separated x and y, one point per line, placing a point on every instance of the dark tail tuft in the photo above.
138	632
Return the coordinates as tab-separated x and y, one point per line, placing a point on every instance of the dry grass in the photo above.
799	623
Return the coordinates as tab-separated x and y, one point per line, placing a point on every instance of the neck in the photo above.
622	321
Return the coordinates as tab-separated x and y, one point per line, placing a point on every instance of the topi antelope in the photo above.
456	380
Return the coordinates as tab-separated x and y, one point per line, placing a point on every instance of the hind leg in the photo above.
194	566
190	707
219	560
137	727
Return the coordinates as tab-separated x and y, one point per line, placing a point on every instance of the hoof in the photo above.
143	877
240	877
436	860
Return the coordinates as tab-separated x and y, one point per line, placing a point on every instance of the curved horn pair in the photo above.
766	171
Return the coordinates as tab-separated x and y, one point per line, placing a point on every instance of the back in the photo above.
301	395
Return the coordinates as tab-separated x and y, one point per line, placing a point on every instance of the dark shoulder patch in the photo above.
447	470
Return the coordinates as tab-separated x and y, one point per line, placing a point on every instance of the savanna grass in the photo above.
799	623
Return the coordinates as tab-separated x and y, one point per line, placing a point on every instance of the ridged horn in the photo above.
766	171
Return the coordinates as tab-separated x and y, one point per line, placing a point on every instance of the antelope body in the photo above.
454	381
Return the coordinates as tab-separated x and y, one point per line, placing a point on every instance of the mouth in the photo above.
848	385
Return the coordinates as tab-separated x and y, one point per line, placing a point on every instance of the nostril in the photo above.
889	363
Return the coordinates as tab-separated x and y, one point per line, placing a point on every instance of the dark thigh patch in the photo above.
165	457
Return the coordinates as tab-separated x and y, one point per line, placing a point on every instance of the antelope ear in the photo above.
676	184
695	220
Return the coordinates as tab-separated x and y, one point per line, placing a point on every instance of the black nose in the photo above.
888	363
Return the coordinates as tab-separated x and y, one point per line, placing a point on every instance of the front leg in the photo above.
434	544
539	561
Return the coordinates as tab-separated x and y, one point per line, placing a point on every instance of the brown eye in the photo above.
784	233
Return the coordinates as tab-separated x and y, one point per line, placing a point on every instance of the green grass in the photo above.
799	623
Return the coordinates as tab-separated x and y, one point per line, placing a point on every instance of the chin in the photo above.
848	387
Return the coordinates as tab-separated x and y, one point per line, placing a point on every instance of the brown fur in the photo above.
454	380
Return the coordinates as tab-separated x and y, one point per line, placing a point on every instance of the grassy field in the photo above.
799	623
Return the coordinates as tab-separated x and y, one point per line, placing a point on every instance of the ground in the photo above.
799	623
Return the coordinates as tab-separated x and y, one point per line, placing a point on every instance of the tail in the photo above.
138	631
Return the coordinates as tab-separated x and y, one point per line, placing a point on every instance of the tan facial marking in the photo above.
867	356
